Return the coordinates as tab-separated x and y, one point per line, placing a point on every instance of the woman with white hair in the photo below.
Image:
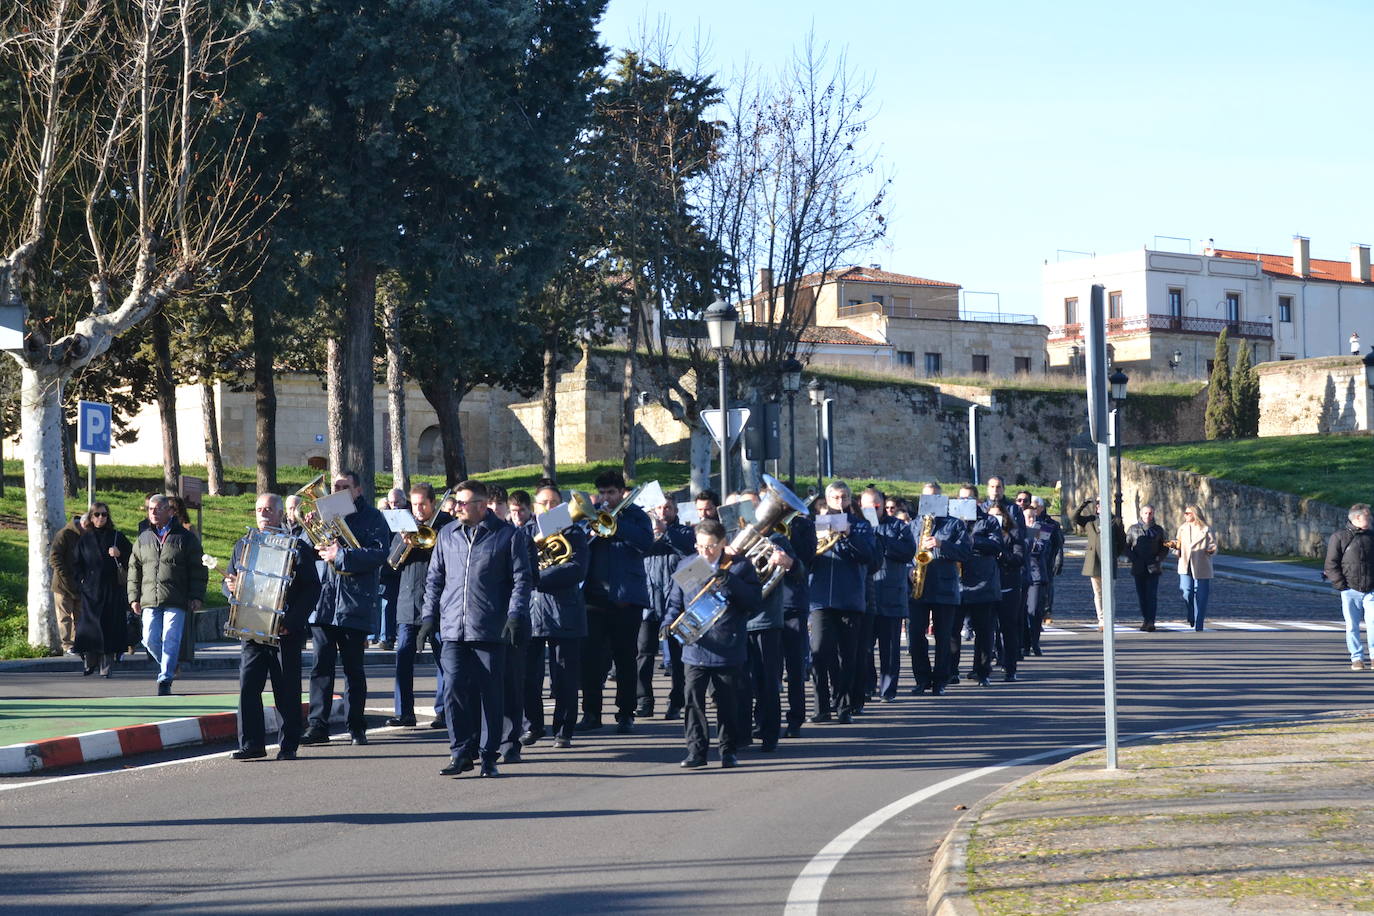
1195	545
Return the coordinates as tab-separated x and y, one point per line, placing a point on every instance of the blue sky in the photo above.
1013	129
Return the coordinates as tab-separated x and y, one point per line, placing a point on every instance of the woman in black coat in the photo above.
102	557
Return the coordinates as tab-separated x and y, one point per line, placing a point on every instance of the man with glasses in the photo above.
166	583
410	599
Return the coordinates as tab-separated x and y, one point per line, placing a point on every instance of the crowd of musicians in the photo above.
498	613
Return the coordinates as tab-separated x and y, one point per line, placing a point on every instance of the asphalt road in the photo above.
612	825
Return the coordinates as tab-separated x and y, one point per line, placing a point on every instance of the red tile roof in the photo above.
1281	265
830	334
859	274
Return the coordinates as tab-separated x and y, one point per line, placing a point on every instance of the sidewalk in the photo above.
1246	820
210	656
1241	569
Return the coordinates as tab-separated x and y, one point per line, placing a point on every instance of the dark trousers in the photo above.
611	637
835	653
1011	621
980	616
794	645
258	664
647	646
565	666
760	699
1147	590
403	696
1036	608
724	685
332	644
888	631
676	676
474	697
865	672
944	622
513	704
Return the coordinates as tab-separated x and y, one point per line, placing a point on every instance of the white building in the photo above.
1164	306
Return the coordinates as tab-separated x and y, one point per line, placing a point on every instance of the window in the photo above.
1175	302
1022	365
878	299
1114	304
906	359
980	362
932	364
1286	356
1071	310
1233	306
854	302
1286	309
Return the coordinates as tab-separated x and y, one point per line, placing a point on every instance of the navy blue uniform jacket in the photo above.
475	585
725	644
981	579
892	581
557	609
942	575
350	593
839	575
616	575
676	541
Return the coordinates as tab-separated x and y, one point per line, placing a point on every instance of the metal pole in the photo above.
973	442
792	439
1106	552
90	479
1116	436
725	427
820	446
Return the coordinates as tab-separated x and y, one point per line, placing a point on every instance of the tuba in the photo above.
778	507
555	548
923	557
603	524
320	531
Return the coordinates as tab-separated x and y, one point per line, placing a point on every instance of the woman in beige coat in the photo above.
1195	545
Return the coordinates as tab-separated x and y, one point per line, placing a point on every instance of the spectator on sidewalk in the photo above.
66	596
166	584
101	563
1086	518
1350	569
1146	551
1196	545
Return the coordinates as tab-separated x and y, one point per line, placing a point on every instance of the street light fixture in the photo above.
791	384
1117	380
721	322
816	391
1175	361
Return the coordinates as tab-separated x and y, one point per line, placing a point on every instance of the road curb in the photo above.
947	888
130	740
143	664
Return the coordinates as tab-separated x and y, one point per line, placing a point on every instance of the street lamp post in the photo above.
816	391
721	321
1369	380
1118	381
1175	361
791	384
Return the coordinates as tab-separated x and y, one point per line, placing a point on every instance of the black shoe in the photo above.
644	712
820	717
674	712
793	731
398	721
728	761
312	736
693	763
249	753
284	754
560	741
438	723
489	770
360	739
937	691
388	645
844	718
983	682
1035	650
625	726
747	742
531	736
1011	676
585	724
953	679
87	672
164	688
456	765
511	755
767	747
919	689
1149	628
887	699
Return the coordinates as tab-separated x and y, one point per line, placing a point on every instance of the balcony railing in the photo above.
910	311
1179	324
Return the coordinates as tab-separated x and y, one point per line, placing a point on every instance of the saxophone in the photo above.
923	558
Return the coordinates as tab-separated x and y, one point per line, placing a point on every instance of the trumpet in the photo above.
424	537
603	523
321	531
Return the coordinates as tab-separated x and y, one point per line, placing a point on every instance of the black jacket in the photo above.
770	613
981	580
615	575
1350	559
1044	550
725	644
410	592
557	608
350	594
796	585
302	595
100	626
676	542
1145	548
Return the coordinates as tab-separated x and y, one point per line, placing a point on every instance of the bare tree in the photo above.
118	110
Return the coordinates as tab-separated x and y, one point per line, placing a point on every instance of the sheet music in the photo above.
871	514
966	509
837	521
692	575
554	520
651	497
399	520
934	504
687	513
335	505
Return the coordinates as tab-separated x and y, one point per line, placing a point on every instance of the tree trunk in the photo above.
396	398
354	411
627	396
337	394
214	460
40	415
549	409
166	404
265	401
446	397
701	444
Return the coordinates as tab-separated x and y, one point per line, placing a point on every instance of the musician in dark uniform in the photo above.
981	587
617	593
715	661
519	513
892	587
796	609
281	664
410	599
672	541
558	625
838	603
937	610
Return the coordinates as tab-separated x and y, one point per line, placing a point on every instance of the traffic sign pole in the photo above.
90	481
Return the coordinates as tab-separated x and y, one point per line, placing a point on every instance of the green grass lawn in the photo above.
1334	469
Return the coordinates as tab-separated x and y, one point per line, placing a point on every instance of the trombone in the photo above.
603	524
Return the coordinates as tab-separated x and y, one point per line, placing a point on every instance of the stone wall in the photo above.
1248	519
1323	395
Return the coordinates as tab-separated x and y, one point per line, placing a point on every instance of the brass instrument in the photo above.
603	523
556	548
424	537
923	557
827	541
320	531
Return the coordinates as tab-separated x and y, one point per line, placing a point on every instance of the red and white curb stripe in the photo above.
130	740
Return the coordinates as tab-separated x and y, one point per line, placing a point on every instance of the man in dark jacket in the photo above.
410	599
1350	569
1044	561
714	661
980	588
346	612
477	595
617	593
259	662
796	611
891	583
66	595
838	602
672	542
166	584
558	625
937	610
1146	550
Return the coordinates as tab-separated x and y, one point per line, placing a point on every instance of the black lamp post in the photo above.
1118	381
721	321
816	391
1369	380
1175	361
791	384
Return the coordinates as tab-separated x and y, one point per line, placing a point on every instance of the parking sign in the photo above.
94	423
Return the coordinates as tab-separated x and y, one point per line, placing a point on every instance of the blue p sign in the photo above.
93	427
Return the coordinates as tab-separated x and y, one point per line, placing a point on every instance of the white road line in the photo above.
1241	626
1179	627
1321	627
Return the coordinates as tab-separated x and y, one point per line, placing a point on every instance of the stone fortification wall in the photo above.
1323	395
1248	519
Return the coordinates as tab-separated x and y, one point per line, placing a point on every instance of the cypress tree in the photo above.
1245	395
1220	420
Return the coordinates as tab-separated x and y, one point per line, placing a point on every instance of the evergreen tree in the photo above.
1220	420
1245	395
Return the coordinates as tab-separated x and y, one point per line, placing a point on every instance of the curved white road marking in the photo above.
804	899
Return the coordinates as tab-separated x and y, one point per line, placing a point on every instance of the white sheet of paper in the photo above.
399	520
554	521
871	514
966	509
690	576
651	497
837	521
936	504
687	513
335	505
